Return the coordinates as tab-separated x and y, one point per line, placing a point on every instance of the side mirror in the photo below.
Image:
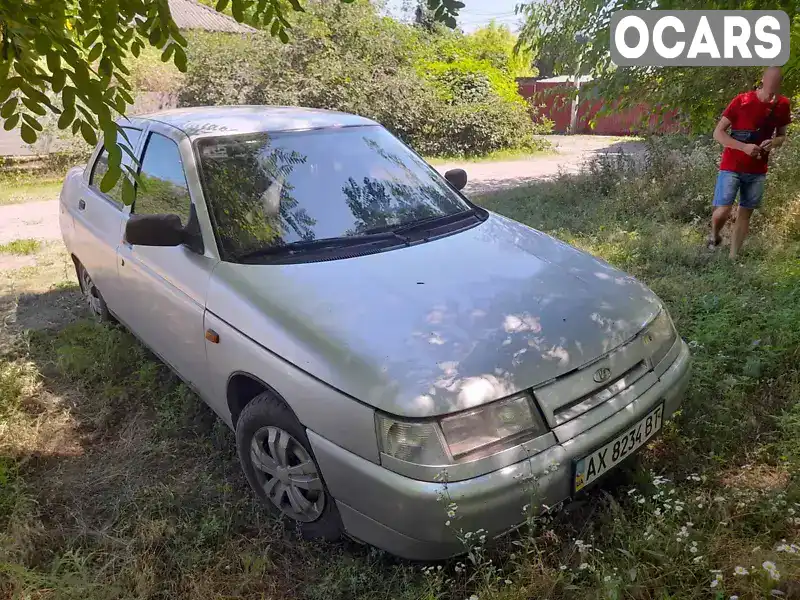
457	178
155	230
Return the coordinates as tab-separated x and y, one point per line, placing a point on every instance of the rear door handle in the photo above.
81	204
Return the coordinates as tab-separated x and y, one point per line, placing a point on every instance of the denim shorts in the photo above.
749	185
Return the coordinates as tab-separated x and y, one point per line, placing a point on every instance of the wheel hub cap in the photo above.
287	474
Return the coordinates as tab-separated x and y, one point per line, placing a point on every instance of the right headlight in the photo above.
660	336
468	433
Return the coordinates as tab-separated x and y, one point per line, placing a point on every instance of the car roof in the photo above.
204	121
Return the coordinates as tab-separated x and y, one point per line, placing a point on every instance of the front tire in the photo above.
97	305
279	465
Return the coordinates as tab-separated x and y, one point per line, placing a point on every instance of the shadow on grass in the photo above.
130	485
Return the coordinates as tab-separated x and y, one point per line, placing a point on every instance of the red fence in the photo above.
554	102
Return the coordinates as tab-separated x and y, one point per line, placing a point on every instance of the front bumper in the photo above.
407	517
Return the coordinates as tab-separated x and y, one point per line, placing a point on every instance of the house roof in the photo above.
190	14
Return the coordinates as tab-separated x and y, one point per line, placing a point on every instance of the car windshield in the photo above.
270	190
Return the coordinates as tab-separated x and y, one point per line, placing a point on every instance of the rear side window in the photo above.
100	166
162	187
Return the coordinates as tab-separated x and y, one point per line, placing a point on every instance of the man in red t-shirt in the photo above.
757	121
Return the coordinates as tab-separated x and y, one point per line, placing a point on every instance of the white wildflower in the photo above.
717	579
583	566
509	582
562	568
473	597
740	571
607	578
697	559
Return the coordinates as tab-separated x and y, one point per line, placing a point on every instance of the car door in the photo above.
98	217
165	287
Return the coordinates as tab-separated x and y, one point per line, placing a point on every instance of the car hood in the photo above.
440	326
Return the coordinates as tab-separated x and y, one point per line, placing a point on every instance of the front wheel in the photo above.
277	460
94	298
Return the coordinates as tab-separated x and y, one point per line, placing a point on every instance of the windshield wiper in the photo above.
334	243
425	223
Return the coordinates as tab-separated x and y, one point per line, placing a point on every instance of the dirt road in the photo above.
39	220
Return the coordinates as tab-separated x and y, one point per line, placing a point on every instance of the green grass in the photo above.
116	482
29	189
21	247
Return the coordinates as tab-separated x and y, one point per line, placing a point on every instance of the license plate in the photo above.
590	467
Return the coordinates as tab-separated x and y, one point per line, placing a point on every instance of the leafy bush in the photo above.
355	61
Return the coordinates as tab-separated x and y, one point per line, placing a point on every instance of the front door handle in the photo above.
81	204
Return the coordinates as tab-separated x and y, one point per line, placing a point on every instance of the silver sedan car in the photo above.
399	365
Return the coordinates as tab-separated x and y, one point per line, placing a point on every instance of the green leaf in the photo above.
167	54
110	178
91	38
180	59
284	37
58	80
127	97
34	106
95	52
222	5
53	61
105	68
27	134
9	86
42	43
135	49
67	117
32	122
155	36
176	35
76	125
127	149
68	97
237	10
9	107
11	122
88	133
296	5
128	192
275	28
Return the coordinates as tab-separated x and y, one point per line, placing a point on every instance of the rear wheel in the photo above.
277	460
94	298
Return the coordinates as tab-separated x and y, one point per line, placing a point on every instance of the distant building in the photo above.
192	15
553	98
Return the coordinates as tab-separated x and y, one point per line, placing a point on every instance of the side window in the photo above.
162	187
101	166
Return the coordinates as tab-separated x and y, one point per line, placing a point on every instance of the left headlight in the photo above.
430	442
660	336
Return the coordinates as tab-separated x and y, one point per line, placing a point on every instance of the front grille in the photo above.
597	396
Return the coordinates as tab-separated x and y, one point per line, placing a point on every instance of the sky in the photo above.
475	14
